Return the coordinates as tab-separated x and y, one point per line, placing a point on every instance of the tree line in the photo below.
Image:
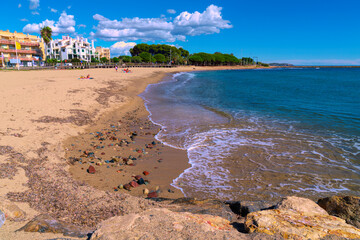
163	53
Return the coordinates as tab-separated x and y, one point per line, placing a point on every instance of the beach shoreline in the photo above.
40	110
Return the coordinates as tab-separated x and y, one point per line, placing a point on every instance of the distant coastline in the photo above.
315	66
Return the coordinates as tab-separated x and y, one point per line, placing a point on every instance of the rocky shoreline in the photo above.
39	194
186	218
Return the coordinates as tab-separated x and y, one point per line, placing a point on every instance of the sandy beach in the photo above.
44	112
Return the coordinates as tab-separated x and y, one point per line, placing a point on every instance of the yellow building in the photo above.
30	51
103	52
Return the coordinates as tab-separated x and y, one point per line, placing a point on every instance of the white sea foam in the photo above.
285	150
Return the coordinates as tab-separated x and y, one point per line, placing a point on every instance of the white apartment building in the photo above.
68	48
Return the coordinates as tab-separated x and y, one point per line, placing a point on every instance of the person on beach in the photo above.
87	77
116	68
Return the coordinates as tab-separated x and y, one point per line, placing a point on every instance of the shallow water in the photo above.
262	134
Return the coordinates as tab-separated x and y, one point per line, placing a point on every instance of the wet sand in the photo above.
42	110
112	144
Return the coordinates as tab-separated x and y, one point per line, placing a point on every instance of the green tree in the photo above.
75	60
136	59
115	60
160	58
126	59
145	56
104	59
46	34
219	58
196	59
51	60
94	60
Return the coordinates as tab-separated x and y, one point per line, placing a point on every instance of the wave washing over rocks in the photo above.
240	154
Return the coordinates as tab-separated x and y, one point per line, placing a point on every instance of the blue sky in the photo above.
325	32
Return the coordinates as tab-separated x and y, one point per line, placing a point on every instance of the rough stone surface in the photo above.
303	205
347	208
11	210
298	218
91	170
46	224
207	206
165	224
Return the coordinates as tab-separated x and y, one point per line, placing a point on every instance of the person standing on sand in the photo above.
116	68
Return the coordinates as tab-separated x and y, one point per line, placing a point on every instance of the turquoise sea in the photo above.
262	134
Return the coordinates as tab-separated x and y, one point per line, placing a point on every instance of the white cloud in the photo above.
24	20
151	29
34	4
35	13
121	48
19	6
208	22
65	24
171	11
68	7
81	26
53	10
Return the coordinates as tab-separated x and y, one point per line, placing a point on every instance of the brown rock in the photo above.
299	218
152	195
46	224
134	184
347	208
302	205
138	177
91	170
146	173
127	187
164	224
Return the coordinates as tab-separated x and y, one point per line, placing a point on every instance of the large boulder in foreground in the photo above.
299	218
164	224
303	205
347	208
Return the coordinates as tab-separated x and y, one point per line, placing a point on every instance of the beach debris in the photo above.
146	191
150	146
2	218
121	186
138	177
146	173
128	161
46	224
141	181
170	191
11	211
152	195
127	187
134	184
91	170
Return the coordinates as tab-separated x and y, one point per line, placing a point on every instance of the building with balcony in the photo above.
31	52
68	48
103	52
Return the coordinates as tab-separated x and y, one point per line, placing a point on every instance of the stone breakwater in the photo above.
185	218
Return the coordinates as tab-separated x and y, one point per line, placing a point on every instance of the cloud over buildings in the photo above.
65	24
151	29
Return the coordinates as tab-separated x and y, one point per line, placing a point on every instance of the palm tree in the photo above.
46	33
